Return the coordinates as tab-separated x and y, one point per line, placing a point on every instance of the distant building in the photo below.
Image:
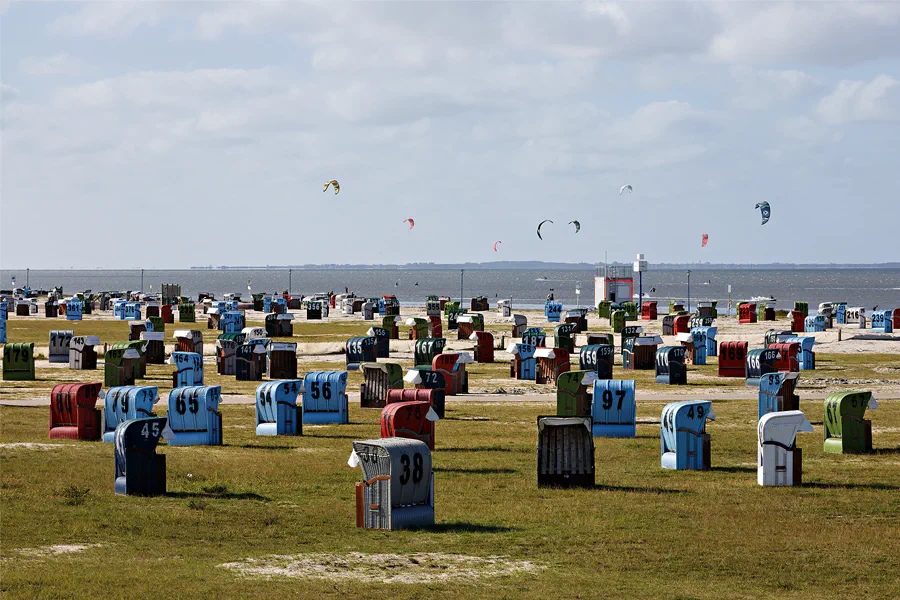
615	284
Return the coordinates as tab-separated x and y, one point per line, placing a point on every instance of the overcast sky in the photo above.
176	134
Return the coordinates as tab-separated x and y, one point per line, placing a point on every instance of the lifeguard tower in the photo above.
614	284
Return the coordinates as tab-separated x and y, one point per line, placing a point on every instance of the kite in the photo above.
333	183
705	240
411	222
495	244
626	187
765	210
576	224
540	225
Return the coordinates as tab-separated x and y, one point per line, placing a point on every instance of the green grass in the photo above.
862	369
642	532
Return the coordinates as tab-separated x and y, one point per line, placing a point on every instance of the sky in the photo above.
170	134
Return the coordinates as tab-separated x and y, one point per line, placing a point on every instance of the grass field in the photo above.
641	532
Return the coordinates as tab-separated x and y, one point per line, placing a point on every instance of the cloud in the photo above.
760	89
239	105
48	66
116	18
649	123
7	93
877	100
823	33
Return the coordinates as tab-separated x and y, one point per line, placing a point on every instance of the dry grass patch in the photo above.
420	567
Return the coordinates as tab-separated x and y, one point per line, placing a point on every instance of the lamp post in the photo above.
689	290
461	271
290	275
640	265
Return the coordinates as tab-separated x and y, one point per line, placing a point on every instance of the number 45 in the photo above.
146	432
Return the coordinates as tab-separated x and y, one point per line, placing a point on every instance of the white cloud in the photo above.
648	124
49	66
7	93
760	89
562	102
877	100
117	18
830	33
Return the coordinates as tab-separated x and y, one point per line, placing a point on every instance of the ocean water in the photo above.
528	289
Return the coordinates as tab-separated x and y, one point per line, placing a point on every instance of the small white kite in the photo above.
625	187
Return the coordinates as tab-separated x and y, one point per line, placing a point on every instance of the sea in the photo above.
866	287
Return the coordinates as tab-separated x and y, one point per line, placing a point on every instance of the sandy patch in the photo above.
33	446
885	429
383	568
45	551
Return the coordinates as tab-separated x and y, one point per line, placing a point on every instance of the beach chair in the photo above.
250	361
378	380
788	358
429	379
759	363
154	347
520	325
18	361
573	396
281	360
382	341
683	441
845	429
397	490
565	452
360	350
614	409
564	337
139	470
60	343
325	398
534	336
73	412
598	359
670	368
188	369
125	403
82	356
522	365
779	460
550	363
412	420
425	350
226	352
747	313
553	311
194	417
484	346
277	412
776	393
74	309
733	359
